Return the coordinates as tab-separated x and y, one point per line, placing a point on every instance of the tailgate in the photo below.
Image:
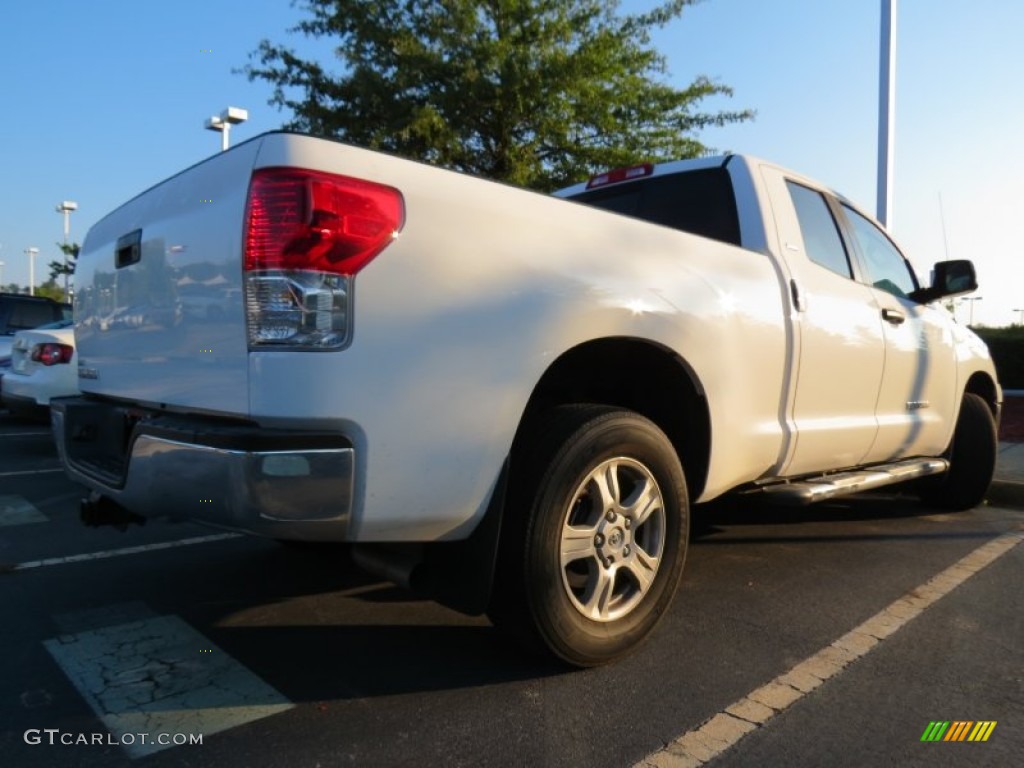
159	315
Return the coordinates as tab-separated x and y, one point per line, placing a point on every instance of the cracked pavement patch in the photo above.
148	676
14	510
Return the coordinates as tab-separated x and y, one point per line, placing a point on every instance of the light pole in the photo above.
971	299
1	275
886	110
223	122
32	253
66	207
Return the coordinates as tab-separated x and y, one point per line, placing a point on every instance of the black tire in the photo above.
597	533
972	460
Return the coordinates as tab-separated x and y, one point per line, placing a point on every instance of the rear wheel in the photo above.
972	459
595	549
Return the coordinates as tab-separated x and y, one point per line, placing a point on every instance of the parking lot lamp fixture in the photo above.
223	122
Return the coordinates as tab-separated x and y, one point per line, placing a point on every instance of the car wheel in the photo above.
599	535
972	459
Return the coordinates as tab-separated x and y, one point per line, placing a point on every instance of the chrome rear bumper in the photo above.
236	478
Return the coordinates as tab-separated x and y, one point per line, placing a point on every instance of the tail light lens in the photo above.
307	235
52	354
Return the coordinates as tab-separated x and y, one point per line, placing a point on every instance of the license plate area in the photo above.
97	438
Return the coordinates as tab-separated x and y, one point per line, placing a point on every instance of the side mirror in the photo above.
949	278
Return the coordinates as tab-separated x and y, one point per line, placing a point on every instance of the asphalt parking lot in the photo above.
280	656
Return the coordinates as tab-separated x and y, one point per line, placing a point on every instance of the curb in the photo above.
1006	493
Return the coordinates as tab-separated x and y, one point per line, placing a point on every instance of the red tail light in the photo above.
307	234
299	219
52	354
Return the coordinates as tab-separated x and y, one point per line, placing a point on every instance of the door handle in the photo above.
794	292
893	316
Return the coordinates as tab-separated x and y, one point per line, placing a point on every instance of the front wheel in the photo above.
599	538
972	459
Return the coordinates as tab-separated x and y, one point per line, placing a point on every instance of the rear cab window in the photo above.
701	202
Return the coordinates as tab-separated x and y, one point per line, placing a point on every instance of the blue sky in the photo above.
99	100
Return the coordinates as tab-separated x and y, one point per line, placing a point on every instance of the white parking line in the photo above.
30	472
125	551
27	434
720	732
158	678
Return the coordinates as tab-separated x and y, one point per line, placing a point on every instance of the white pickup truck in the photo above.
507	399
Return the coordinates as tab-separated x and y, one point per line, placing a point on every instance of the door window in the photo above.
886	268
822	242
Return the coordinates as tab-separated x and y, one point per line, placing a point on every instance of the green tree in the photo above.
538	93
57	268
50	290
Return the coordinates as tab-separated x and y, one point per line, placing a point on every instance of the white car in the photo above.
44	365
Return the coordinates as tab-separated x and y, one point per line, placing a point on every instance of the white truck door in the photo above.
838	332
918	396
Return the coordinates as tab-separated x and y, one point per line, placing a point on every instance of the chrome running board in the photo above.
830	486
